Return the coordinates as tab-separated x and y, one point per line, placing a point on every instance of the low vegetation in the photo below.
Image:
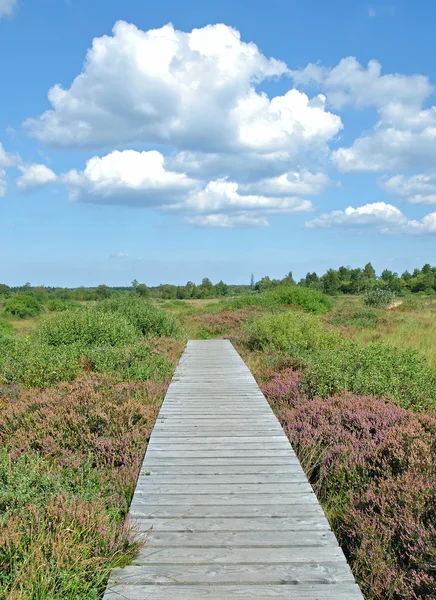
352	380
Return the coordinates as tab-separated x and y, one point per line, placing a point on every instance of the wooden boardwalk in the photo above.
231	510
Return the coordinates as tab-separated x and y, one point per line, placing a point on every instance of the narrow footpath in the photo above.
231	512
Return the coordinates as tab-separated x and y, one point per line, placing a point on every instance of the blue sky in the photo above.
246	137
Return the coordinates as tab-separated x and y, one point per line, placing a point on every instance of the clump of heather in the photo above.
373	466
226	321
69	461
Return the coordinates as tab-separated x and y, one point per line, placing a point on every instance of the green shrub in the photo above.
142	314
360	319
36	364
22	306
377	369
58	305
309	299
87	328
131	363
379	298
6	328
287	295
290	331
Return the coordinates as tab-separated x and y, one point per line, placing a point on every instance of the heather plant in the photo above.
22	306
69	460
87	328
142	314
372	465
332	365
380	298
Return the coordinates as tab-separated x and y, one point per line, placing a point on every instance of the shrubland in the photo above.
70	450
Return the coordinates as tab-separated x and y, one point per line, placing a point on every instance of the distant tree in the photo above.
4	289
102	292
167	291
406	276
41	293
221	289
142	290
426	269
252	281
288	279
331	282
206	288
135	284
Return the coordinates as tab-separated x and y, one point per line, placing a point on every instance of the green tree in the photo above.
102	292
221	289
142	290
4	289
331	282
135	284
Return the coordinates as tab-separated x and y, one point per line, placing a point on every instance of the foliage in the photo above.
22	306
68	467
357	318
380	298
369	462
87	328
332	365
292	332
291	295
142	314
379	369
58	305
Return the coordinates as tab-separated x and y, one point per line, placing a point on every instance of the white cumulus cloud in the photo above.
7	7
192	91
7	160
129	178
228	221
351	83
416	189
34	177
377	217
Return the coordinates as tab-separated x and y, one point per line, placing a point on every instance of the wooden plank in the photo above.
279	573
147	509
345	591
299	521
251	539
226	507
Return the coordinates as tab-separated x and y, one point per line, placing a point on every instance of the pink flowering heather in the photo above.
373	466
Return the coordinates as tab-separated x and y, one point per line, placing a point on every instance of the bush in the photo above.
381	298
58	305
332	365
69	462
286	295
6	328
369	462
360	319
22	306
309	299
37	364
87	328
291	332
131	363
142	314
376	369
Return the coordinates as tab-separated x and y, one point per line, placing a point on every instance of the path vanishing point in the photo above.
231	512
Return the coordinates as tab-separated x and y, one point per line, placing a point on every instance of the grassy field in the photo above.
80	387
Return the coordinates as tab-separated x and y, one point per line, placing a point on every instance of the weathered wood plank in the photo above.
279	573
345	591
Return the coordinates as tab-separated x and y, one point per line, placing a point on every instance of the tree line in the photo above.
345	280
